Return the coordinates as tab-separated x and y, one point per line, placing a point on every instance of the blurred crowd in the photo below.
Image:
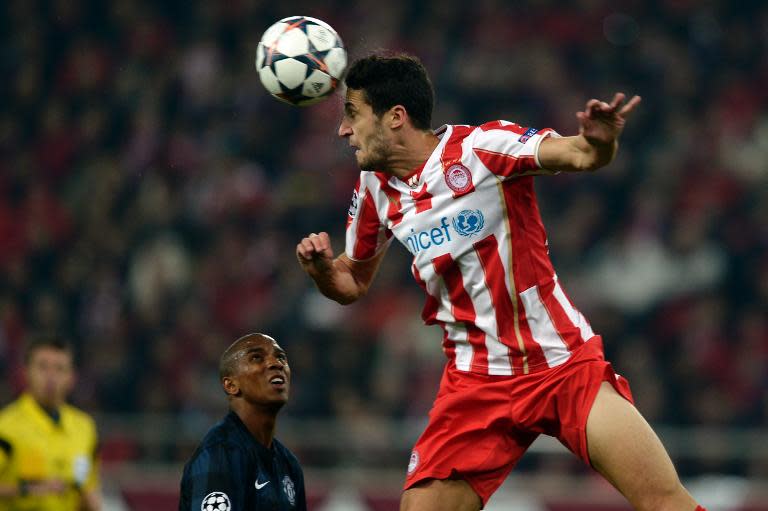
152	194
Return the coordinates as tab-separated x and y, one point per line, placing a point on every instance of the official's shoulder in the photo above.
10	412
77	414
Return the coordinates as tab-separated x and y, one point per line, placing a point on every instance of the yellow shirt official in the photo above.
33	448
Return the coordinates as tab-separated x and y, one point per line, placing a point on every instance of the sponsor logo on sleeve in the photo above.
352	211
527	135
216	501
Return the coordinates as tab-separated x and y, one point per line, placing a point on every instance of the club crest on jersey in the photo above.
458	178
527	135
290	490
414	461
216	501
469	222
352	211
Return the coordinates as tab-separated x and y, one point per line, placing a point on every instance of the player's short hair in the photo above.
389	80
53	342
229	359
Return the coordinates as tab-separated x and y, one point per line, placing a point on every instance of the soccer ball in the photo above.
301	60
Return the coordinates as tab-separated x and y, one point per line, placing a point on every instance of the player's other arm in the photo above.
341	279
600	125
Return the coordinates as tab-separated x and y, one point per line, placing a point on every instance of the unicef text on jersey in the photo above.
468	222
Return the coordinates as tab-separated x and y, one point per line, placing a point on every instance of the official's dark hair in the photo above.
394	80
46	341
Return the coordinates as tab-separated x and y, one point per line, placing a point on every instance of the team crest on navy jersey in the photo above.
458	178
469	222
290	490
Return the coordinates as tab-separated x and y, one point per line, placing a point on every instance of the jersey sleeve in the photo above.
6	451
510	150
366	234
87	470
216	474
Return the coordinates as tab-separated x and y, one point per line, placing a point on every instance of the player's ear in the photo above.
397	115
230	386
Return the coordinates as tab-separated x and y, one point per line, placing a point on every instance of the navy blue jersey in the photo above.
231	471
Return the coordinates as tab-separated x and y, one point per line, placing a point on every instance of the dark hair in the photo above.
393	80
46	341
229	359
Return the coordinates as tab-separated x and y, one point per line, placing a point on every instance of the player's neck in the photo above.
410	152
259	423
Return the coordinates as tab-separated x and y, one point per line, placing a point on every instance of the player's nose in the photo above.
344	129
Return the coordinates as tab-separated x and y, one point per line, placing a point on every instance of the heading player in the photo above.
522	360
239	464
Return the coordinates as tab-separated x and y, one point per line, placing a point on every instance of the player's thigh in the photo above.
625	450
440	495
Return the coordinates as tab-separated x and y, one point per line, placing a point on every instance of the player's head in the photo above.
49	369
255	369
384	93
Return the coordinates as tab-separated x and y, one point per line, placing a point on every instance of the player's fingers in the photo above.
630	106
591	107
305	249
318	243
617	100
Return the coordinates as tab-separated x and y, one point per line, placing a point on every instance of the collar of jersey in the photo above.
34	410
232	416
416	172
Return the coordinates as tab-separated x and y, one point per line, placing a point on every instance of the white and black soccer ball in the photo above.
216	501
301	60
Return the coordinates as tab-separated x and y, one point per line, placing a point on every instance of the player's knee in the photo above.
668	497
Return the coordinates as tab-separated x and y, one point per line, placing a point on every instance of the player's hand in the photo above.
601	123
315	254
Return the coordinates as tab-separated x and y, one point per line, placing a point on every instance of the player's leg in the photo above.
440	495
626	451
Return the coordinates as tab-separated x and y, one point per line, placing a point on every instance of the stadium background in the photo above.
151	196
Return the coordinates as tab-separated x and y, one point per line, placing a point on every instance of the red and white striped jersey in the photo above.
469	217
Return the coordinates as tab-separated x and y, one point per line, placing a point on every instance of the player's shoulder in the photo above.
78	416
222	441
11	414
284	452
501	126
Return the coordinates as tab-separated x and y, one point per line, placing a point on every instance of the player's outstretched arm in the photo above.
341	279
600	125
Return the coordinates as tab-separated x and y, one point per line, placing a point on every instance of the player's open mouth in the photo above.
277	381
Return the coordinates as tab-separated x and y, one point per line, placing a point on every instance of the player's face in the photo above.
263	375
365	132
50	376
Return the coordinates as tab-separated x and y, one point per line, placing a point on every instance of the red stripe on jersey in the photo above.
506	165
367	234
462	309
423	199
488	251
569	333
529	249
497	125
452	153
429	314
394	209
